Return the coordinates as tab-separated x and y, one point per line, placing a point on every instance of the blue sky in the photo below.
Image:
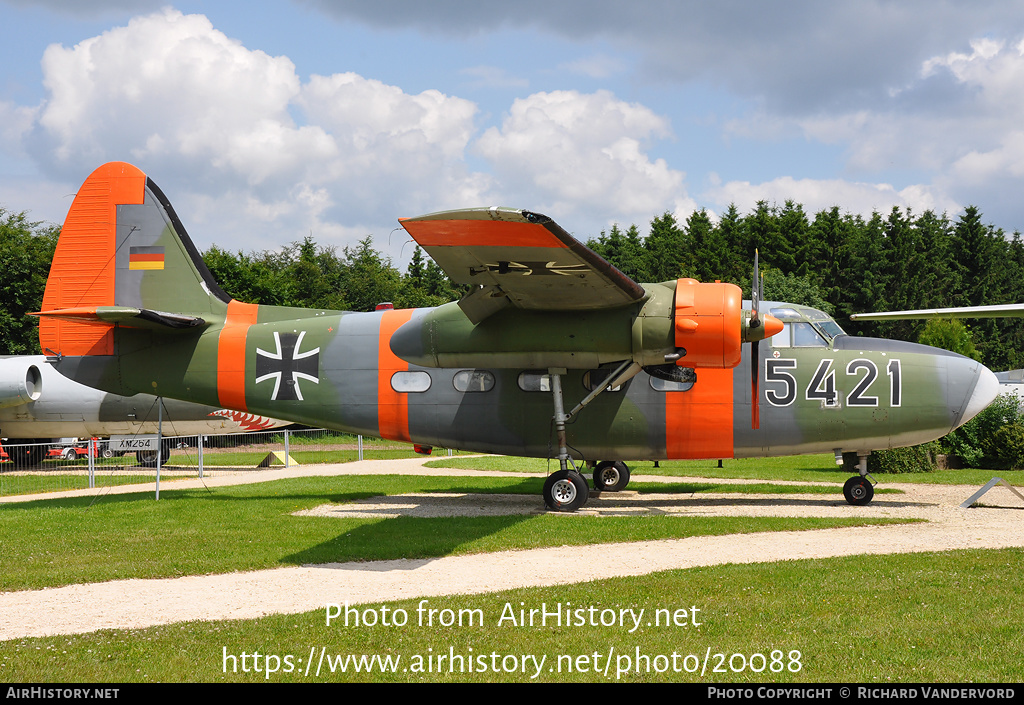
264	122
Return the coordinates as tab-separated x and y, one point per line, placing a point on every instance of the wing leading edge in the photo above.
997	311
518	258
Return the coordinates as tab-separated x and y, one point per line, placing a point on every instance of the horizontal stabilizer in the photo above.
125	316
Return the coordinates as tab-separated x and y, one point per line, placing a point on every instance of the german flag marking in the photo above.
146	258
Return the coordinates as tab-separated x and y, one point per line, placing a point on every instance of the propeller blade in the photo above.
755	295
755	378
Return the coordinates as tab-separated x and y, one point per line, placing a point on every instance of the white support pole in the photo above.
92	462
286	449
159	441
360	447
199	445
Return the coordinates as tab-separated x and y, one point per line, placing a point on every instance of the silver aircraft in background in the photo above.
39	406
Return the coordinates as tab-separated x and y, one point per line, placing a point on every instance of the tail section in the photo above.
123	258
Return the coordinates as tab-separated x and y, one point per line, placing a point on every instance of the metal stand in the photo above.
991	483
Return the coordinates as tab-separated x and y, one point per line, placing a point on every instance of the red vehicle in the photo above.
70	449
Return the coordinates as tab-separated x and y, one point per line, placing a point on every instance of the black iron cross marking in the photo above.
535	268
287	365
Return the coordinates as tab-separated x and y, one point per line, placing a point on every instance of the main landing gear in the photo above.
566	490
859	490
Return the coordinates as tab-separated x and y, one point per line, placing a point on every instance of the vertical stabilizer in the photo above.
122	247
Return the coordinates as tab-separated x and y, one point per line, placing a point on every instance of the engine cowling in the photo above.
20	382
708	323
711	325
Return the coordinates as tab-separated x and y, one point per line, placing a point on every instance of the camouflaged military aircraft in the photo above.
653	371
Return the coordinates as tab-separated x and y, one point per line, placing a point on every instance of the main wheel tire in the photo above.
858	491
147	458
565	491
106	451
69	454
611	476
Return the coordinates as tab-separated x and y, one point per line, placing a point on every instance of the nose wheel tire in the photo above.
611	476
565	491
858	491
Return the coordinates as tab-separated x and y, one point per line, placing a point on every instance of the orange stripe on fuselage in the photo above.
231	354
698	423
480	233
392	406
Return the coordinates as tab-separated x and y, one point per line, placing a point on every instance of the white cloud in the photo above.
170	85
821	194
583	152
214	123
15	122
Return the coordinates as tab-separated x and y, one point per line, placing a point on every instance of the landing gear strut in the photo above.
565	490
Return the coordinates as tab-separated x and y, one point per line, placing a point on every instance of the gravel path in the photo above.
142	603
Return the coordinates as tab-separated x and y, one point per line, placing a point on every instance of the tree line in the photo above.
843	264
839	262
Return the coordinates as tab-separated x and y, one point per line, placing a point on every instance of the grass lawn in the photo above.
188	532
947	617
11	485
923	618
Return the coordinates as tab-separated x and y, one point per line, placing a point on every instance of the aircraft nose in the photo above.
986	388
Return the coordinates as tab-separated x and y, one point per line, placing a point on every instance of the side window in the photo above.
412	381
535	382
473	381
664	385
783	339
593	378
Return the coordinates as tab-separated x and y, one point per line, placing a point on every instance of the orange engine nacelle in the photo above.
708	323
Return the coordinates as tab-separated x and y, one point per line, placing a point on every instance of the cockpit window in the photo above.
824	323
786	314
805	336
804	328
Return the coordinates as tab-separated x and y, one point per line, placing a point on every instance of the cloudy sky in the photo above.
264	122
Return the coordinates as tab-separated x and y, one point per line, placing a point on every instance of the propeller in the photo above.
711	326
757	329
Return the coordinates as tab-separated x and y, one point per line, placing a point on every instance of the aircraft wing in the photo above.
514	257
999	311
